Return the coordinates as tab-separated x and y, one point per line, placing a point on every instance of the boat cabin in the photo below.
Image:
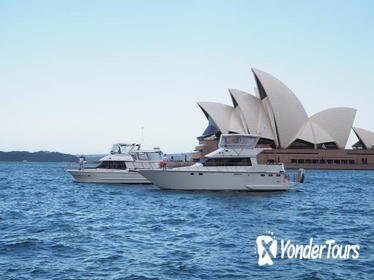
234	150
132	158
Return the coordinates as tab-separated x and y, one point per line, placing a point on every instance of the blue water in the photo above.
52	228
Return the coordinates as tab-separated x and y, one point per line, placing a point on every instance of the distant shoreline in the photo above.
41	156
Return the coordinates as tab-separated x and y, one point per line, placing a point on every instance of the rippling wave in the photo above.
53	228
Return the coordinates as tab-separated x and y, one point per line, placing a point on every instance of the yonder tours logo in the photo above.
268	249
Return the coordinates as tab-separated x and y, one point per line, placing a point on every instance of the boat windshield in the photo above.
154	156
238	141
124	149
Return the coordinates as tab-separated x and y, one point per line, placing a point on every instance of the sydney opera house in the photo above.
275	113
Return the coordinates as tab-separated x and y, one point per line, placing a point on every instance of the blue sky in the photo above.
77	76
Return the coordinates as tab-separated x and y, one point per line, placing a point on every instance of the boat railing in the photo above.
90	167
296	177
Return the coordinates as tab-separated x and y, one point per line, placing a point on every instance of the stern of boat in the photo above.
297	178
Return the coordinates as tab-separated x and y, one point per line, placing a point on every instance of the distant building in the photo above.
276	114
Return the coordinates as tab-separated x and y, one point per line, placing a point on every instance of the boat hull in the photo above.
217	181
107	176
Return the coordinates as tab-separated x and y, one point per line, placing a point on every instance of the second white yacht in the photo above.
120	166
233	166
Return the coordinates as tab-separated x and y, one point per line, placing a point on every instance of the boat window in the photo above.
155	156
124	148
204	160
238	141
228	162
142	156
112	165
116	149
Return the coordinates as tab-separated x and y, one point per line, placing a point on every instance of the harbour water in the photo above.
53	228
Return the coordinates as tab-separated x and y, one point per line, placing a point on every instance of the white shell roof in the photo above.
253	113
313	133
224	116
236	122
337	122
282	99
278	115
366	136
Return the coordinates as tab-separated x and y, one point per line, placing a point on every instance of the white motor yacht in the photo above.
233	166
120	166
